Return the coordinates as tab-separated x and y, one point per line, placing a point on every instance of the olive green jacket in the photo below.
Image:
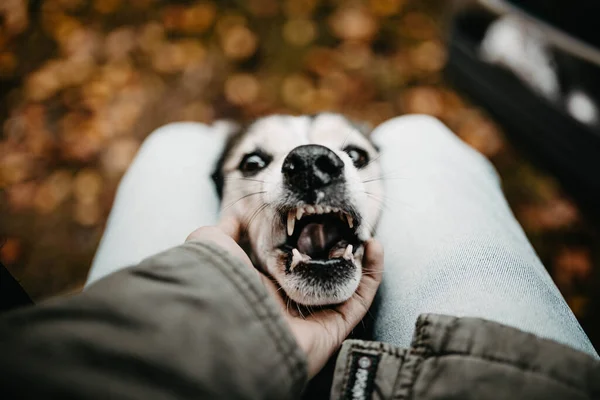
195	323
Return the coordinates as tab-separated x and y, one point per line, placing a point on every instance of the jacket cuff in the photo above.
452	357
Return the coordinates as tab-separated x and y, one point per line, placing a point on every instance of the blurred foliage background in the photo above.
83	82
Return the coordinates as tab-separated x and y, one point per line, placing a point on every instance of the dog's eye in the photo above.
254	162
359	157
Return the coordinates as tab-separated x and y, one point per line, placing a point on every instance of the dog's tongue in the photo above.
316	239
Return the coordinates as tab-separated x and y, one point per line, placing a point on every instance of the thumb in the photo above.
350	313
231	226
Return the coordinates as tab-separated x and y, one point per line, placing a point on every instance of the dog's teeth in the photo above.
350	221
348	253
327	209
290	223
310	210
335	209
319	209
299	214
297	258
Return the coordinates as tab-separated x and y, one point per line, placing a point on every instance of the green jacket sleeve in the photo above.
465	358
189	323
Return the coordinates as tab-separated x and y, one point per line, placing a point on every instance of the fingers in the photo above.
356	308
228	226
334	325
349	314
231	226
372	266
218	236
274	290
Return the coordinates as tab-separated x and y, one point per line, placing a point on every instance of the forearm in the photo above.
188	323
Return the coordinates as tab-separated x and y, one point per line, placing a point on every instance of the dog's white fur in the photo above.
278	135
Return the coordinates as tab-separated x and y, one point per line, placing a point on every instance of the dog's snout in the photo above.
312	167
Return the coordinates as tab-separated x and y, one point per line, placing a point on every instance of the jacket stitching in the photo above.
449	332
346	376
414	358
381	348
394	352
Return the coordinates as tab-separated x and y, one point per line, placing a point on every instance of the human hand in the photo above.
322	332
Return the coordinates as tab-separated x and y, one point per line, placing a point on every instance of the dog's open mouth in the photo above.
319	235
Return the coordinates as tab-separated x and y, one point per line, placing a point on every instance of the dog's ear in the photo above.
365	128
233	132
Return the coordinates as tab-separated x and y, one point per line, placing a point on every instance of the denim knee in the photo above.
429	137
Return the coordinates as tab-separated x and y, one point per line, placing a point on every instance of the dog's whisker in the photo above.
362	322
370	226
385	177
371	161
374	196
244	179
274	225
242	198
395	174
299	311
280	288
399	178
243	187
345	140
386	199
381	203
255	214
281	232
380	180
310	311
239	191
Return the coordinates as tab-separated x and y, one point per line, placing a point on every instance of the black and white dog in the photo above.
308	190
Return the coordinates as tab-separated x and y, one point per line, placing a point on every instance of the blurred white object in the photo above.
581	107
518	46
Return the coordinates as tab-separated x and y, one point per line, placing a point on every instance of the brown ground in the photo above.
83	82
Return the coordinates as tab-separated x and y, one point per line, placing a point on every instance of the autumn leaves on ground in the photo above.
83	82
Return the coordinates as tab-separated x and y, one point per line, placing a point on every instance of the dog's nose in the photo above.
312	167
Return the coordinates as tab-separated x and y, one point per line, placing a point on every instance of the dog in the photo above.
308	191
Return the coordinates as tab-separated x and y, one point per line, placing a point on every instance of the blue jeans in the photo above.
452	244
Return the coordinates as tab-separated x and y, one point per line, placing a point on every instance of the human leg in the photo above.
166	194
452	243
